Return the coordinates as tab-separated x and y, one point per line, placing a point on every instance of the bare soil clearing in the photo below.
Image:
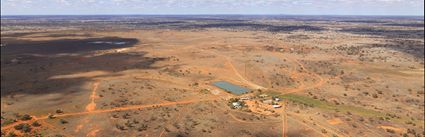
326	79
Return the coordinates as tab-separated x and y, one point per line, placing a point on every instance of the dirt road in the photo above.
109	110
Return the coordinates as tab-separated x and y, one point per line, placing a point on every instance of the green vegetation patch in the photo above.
343	108
330	106
271	93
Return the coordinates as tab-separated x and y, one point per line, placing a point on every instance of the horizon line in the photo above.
400	15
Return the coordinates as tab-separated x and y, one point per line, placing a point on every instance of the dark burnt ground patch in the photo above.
410	47
417	34
18	46
363	21
57	35
414	48
419	25
20	34
27	67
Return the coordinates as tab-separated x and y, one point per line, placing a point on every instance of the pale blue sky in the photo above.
297	7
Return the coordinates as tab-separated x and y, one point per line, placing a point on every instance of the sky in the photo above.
285	7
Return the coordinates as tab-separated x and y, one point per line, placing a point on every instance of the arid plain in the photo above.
154	76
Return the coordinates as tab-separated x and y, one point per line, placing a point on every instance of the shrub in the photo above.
361	119
62	121
36	124
349	113
405	135
233	100
143	127
24	127
11	134
25	117
390	131
51	116
18	127
120	127
411	131
59	111
324	131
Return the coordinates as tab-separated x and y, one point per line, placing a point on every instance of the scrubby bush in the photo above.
405	135
25	117
11	134
143	127
18	127
23	127
390	131
51	116
324	131
62	121
59	111
36	124
26	128
120	127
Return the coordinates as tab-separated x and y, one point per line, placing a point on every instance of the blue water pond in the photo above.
235	89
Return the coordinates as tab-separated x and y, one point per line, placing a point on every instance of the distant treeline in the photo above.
256	26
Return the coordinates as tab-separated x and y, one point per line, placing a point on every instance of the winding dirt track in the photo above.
133	107
297	117
91	107
249	83
109	110
295	75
